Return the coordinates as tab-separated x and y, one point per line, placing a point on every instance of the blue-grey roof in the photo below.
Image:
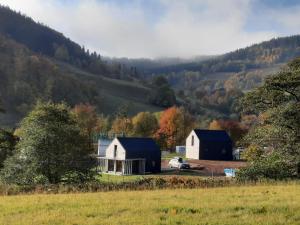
212	135
139	147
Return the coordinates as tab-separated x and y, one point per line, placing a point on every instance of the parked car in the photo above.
179	163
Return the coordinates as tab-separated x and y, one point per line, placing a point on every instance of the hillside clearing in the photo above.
263	204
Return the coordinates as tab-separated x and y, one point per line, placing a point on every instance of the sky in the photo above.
165	28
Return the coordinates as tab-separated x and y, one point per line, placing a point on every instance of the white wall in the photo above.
192	152
120	150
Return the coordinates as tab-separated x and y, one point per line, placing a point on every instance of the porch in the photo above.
121	167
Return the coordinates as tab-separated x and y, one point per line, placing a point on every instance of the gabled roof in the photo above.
212	135
139	147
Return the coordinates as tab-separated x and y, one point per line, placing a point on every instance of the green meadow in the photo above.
261	204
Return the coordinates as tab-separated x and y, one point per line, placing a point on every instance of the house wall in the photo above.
216	150
192	151
153	162
120	150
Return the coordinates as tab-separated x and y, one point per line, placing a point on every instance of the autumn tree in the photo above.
144	124
174	125
235	129
121	125
86	117
215	125
103	124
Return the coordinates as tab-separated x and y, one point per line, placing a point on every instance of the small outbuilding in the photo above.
127	155
209	145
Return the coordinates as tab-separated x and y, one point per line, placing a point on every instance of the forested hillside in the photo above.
215	83
42	39
257	56
26	76
39	63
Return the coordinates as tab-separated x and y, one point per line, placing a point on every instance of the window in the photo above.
192	140
115	151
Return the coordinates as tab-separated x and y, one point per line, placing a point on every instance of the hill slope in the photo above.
44	40
257	56
216	83
26	76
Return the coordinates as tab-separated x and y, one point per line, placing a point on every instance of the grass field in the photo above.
264	204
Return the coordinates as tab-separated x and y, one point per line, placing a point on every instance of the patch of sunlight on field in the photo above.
264	204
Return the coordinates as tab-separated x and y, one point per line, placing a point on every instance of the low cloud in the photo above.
127	28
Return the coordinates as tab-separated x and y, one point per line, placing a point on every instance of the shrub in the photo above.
252	153
272	166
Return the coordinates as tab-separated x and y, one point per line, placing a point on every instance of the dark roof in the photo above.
212	135
138	147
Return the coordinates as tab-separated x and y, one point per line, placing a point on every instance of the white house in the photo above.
125	156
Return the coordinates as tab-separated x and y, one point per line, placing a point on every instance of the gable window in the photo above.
115	151
192	140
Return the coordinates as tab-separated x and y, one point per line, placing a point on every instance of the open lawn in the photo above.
263	204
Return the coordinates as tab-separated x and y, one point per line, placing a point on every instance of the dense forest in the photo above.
44	40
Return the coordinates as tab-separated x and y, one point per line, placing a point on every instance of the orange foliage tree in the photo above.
215	125
174	125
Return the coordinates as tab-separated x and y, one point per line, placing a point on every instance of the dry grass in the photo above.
263	204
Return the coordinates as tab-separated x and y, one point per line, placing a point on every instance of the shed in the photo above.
209	145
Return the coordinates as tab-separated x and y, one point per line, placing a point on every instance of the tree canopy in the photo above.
51	148
278	104
174	125
144	124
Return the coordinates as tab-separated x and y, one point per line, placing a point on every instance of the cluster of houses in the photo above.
128	155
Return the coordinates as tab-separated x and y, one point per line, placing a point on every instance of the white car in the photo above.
178	162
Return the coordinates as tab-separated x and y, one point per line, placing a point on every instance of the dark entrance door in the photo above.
119	166
111	165
135	167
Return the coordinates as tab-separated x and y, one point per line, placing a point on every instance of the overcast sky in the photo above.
165	28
